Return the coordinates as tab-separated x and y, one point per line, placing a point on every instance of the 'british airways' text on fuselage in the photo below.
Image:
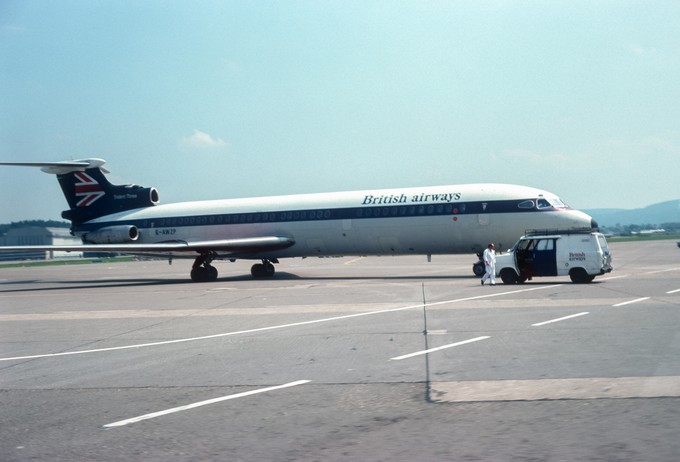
403	198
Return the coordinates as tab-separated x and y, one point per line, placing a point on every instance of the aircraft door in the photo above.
545	258
483	218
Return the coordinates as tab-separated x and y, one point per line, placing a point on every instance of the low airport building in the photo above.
38	235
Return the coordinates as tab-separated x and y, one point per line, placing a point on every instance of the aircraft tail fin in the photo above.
89	194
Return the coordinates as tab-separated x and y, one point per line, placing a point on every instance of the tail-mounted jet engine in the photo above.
112	235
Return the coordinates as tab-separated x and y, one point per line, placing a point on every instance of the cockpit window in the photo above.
558	203
543	204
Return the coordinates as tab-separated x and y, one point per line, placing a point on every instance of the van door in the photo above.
545	258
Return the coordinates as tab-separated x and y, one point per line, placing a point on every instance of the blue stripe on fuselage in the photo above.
323	214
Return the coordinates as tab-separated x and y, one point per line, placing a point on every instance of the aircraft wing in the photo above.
223	247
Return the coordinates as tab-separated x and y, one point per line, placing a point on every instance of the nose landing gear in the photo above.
478	268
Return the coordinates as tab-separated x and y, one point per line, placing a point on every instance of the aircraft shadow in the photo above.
139	282
279	276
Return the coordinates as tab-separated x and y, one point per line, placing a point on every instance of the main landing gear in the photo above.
202	270
264	269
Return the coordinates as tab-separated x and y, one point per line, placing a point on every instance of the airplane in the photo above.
454	219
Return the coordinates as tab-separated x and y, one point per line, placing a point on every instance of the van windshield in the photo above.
524	244
603	244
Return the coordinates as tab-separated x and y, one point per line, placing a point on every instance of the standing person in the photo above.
489	258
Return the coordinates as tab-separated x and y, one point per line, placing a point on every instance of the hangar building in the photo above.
38	235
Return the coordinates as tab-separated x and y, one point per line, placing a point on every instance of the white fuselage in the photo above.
428	220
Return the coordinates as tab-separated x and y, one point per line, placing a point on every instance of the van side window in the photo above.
545	244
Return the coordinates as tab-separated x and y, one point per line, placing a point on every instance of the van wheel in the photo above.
508	276
580	276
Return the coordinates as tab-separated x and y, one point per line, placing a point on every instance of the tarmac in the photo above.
341	359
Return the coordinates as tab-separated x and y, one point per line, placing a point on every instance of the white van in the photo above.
581	254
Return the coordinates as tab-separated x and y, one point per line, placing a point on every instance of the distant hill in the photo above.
656	215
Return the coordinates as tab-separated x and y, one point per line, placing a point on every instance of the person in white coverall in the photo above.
489	258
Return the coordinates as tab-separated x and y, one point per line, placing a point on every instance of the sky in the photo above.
214	100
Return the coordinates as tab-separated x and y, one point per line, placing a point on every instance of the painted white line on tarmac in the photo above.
673	291
609	278
280	326
153	415
538	324
632	301
662	271
451	345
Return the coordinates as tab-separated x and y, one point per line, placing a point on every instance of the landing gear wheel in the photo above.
479	269
202	271
263	270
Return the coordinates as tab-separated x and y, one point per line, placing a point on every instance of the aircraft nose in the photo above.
593	224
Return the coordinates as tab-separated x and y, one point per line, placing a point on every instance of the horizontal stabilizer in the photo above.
63	167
